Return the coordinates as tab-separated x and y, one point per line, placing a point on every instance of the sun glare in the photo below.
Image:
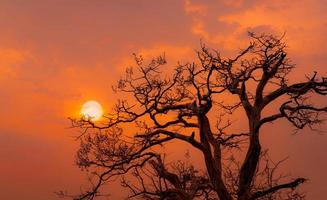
92	110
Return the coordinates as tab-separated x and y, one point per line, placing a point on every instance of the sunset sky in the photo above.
57	54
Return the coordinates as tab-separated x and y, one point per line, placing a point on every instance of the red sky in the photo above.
54	55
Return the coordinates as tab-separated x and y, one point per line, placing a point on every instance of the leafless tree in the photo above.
163	108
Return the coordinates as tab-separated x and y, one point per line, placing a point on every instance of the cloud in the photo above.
10	60
193	8
226	24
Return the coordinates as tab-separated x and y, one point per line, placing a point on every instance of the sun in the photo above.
92	110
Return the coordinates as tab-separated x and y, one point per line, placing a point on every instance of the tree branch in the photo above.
290	185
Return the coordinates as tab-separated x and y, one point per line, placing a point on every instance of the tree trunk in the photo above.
212	161
251	161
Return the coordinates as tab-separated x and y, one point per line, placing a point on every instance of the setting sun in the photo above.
92	110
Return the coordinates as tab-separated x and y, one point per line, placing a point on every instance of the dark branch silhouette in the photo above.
164	108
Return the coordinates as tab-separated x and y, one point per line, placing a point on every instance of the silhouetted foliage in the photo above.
166	108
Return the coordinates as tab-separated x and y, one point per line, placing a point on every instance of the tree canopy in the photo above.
190	106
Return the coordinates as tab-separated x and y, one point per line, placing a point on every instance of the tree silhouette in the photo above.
164	108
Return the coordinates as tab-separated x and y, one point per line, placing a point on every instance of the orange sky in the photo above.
56	54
